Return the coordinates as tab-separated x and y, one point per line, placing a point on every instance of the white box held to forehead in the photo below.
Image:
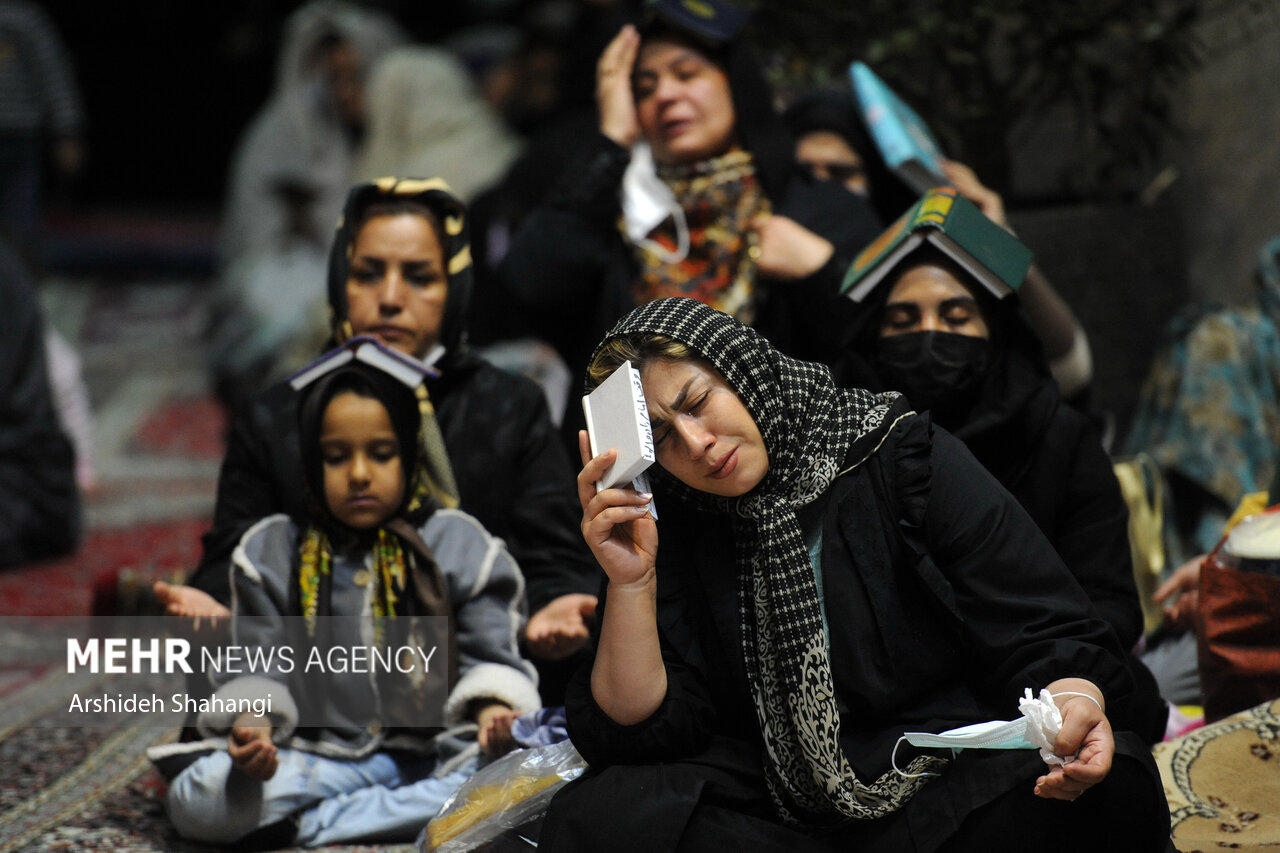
618	418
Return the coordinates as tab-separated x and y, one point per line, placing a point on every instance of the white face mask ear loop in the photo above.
682	232
646	203
682	239
1085	695
893	760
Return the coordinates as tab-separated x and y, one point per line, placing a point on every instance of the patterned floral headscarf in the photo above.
814	432
1209	408
719	199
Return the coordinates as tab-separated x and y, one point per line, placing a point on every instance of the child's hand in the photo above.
494	721
251	749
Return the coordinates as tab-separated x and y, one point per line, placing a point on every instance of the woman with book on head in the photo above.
689	189
833	144
830	573
961	349
399	270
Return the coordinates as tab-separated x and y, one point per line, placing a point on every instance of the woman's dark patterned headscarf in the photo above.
435	195
813	432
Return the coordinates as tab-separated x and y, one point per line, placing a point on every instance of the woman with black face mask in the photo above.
932	331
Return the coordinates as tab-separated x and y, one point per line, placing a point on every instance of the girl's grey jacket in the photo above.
486	594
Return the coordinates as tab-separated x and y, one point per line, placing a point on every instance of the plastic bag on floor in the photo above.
506	794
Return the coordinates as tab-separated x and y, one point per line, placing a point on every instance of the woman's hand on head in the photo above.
614	100
788	250
616	522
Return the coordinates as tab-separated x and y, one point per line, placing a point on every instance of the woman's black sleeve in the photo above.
1028	620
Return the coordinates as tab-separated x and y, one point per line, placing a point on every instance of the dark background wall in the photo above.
1228	156
1193	234
167	88
169	85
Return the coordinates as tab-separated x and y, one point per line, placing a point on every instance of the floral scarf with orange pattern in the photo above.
719	199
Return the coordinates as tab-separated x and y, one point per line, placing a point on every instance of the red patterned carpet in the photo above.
157	440
186	429
69	586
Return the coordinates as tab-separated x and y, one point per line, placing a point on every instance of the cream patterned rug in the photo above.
1223	783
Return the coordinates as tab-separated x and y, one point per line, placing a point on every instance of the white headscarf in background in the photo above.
425	116
297	137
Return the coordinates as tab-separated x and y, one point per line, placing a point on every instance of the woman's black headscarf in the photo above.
435	195
402	408
1006	413
813	431
835	110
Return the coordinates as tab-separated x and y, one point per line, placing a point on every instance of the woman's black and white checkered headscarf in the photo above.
813	432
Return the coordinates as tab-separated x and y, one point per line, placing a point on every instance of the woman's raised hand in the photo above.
614	100
788	250
966	182
616	522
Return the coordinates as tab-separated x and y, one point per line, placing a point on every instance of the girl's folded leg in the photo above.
213	802
383	812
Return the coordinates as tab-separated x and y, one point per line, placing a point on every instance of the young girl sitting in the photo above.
341	756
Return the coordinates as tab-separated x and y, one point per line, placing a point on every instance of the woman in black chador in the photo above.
830	572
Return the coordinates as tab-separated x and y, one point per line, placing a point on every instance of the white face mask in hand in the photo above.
1038	727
